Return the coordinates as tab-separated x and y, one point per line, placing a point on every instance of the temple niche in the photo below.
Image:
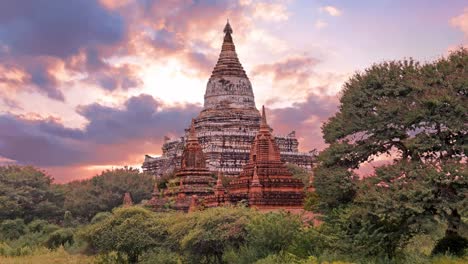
227	124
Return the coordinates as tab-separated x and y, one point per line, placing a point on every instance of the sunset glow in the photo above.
91	85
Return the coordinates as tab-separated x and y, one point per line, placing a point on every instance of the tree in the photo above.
130	231
417	114
28	193
299	173
203	236
104	192
334	182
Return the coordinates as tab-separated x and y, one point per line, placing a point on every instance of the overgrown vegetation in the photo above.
411	210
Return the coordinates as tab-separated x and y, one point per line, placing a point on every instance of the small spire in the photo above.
219	182
192	133
255	179
181	184
127	200
264	123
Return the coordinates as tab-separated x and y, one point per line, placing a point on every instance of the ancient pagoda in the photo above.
265	182
228	123
192	179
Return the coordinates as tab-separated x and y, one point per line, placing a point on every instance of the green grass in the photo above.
45	256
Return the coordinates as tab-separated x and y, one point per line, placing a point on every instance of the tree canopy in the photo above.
417	114
28	193
86	198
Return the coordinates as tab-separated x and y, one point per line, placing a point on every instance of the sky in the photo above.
92	85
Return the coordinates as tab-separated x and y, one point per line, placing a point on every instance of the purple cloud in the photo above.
111	135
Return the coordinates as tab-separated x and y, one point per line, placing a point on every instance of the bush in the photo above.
12	229
59	238
130	231
203	236
273	232
37	226
100	217
452	244
160	256
267	235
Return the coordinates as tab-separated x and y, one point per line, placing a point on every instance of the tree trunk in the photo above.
453	223
133	258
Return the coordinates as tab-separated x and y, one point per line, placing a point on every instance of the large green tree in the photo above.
28	193
417	114
103	192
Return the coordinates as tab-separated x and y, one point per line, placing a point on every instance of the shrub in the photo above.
37	225
451	243
60	238
130	231
160	256
100	217
12	229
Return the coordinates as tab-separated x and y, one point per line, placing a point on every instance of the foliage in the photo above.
12	229
452	243
415	113
334	186
299	173
203	236
267	234
68	220
38	225
130	231
60	237
100	217
161	256
28	193
86	198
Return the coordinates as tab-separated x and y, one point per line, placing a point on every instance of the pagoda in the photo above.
265	182
192	179
227	124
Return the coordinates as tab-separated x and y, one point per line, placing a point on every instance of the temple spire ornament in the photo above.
264	124
228	29
192	134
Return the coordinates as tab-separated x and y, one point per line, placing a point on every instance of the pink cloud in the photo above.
331	10
461	22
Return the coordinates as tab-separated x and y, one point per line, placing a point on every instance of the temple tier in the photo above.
228	123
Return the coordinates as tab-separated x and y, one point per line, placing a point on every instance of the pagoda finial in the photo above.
264	123
227	31
192	133
228	28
